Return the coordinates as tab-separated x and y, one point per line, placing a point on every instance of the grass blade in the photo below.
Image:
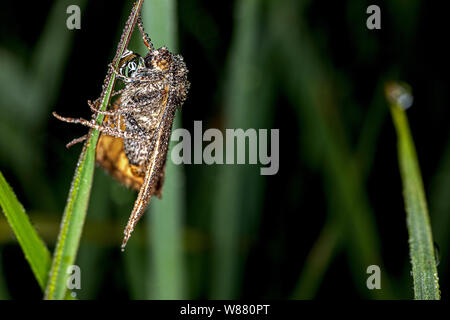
318	261
167	279
76	207
440	206
426	283
36	253
325	141
238	194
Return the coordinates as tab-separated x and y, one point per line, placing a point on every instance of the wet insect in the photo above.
136	130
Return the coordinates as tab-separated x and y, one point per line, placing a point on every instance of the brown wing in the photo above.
155	166
110	155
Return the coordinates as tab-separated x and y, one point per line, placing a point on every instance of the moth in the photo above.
135	132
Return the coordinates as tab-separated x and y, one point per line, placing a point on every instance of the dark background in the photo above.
311	69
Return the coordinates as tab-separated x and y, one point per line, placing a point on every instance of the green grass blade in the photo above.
167	278
325	141
317	262
33	247
41	73
426	282
76	206
72	222
440	206
239	189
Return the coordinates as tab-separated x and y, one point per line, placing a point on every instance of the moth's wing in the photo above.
155	166
110	155
160	183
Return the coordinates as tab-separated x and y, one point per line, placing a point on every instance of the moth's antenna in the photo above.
147	41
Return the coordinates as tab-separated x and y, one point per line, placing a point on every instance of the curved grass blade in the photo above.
36	253
426	282
77	202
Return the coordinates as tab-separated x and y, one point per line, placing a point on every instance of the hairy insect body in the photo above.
152	95
163	76
136	130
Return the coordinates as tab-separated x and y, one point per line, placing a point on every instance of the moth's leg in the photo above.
115	93
115	112
146	100
146	75
94	105
147	41
113	122
106	113
90	124
77	140
103	129
134	79
110	121
118	118
120	76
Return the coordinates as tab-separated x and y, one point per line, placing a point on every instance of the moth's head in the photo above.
159	59
130	64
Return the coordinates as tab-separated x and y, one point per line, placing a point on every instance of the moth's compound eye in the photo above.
130	67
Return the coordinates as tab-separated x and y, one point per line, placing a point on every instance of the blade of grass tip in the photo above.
425	276
167	278
76	207
34	249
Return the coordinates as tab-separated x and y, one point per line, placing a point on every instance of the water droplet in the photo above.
405	100
399	93
437	253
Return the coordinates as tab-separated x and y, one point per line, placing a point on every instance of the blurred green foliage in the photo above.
311	69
